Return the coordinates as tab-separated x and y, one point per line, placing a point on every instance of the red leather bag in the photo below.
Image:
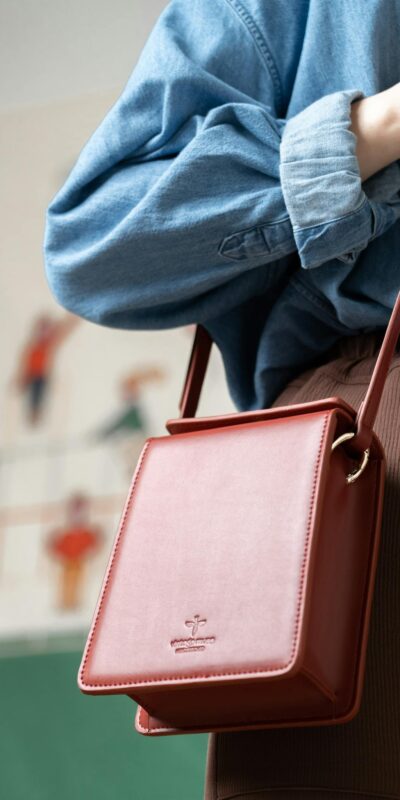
239	589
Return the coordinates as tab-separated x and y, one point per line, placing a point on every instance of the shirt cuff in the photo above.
321	183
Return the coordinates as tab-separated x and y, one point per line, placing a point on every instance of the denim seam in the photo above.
314	158
260	43
276	255
335	219
279	253
259	225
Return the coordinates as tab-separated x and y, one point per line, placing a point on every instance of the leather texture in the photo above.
207	614
239	589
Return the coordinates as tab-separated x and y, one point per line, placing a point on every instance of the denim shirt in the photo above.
223	188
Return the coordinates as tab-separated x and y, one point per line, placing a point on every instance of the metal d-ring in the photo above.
352	476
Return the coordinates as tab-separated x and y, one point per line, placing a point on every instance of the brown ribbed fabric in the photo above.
359	759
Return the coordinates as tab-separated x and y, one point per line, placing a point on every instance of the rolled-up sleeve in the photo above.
331	214
176	197
194	189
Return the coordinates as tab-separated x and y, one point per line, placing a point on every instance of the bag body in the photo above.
239	590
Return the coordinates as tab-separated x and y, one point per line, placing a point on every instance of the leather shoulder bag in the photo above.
239	589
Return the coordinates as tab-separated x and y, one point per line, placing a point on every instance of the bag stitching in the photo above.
167	679
149	729
112	560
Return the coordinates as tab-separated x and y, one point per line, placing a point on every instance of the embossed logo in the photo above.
193	642
195	623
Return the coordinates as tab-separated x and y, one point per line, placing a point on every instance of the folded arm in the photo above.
194	180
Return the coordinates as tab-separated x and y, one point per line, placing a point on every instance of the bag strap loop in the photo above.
368	410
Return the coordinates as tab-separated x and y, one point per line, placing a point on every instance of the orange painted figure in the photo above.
36	360
72	546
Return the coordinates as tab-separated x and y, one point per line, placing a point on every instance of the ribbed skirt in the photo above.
359	759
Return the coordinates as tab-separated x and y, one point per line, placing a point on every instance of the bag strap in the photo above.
196	370
365	419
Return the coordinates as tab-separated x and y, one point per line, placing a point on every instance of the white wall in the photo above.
62	65
52	50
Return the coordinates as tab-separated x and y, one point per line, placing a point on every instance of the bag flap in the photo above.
184	424
209	572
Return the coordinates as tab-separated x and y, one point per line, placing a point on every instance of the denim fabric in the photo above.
223	188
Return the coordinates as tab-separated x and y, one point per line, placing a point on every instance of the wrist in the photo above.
393	104
376	124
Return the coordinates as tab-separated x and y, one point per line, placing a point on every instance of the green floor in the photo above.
57	744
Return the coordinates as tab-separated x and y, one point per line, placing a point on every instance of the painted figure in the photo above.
72	546
129	427
36	361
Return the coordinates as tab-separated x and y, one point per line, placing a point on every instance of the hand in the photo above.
376	123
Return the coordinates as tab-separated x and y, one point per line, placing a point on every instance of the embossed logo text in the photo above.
193	642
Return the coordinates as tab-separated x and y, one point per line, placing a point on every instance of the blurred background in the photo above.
77	403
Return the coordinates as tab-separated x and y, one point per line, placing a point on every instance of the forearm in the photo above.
376	123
